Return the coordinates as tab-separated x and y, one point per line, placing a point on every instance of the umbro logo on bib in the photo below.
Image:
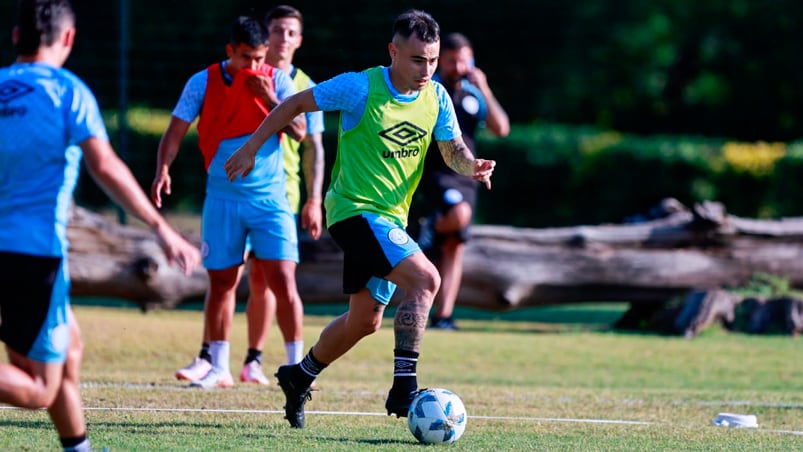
403	133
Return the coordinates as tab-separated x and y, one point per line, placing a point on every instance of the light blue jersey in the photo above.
45	112
348	93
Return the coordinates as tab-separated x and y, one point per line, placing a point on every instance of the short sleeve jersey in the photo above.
267	180
45	113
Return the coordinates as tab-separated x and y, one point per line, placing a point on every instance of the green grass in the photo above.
533	379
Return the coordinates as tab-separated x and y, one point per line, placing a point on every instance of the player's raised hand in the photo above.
478	78
262	87
483	169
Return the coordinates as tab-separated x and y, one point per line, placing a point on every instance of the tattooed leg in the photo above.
410	323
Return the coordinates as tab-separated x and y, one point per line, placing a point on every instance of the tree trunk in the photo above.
687	251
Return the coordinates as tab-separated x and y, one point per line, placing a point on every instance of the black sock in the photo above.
77	444
308	369
253	355
205	352
404	371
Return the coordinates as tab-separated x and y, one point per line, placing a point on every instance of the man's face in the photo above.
413	62
243	56
284	39
455	64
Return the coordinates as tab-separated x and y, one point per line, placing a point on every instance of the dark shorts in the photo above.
372	246
34	306
441	191
444	190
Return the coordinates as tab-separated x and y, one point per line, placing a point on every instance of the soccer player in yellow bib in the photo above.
389	115
285	27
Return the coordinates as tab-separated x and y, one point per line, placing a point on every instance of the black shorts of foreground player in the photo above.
383	110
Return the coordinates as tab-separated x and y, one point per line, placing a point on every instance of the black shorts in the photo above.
33	307
438	192
444	190
372	246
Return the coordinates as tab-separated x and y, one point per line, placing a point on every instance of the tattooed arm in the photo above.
459	158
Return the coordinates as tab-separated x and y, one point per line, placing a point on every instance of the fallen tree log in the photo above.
645	262
649	262
111	260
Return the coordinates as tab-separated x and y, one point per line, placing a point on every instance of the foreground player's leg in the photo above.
339	336
419	280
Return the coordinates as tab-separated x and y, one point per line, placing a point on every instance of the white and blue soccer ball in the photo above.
437	416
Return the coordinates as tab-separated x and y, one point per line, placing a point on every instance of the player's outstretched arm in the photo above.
116	179
297	129
459	158
262	87
242	161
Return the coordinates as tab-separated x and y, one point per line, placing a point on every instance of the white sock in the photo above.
220	355
295	351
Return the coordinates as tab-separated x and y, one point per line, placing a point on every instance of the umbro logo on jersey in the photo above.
403	133
12	89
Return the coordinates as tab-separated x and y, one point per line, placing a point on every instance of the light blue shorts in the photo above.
225	224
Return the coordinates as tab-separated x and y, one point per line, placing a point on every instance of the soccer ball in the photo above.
437	416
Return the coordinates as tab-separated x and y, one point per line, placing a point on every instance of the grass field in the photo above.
536	379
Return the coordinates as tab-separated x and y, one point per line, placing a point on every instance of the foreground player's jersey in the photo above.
45	112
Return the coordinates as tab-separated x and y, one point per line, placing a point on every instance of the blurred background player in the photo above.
51	121
446	198
285	28
285	33
231	98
